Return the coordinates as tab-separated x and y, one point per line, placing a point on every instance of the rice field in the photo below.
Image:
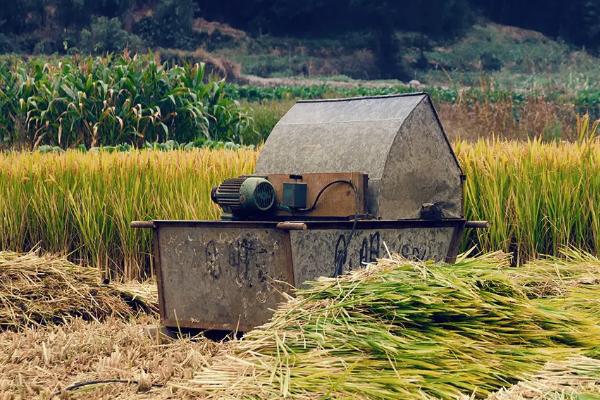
477	329
538	196
81	204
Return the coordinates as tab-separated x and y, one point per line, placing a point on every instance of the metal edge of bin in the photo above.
185	324
158	267
344	99
454	244
318	224
199	324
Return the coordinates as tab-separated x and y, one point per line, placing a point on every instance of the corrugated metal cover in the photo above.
336	136
367	135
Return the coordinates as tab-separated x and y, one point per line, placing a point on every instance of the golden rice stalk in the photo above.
45	289
573	379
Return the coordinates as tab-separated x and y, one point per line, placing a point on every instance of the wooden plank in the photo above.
338	200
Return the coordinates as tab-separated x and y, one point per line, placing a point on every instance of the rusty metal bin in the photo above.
231	275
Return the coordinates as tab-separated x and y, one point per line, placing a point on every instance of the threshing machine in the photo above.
338	184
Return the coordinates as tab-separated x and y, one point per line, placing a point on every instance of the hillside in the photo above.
508	55
441	43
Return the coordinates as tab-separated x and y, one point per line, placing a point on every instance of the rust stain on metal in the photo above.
231	275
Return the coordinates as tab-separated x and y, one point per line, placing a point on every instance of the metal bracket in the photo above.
292	226
477	224
142	224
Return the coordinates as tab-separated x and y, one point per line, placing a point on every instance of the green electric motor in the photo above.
244	197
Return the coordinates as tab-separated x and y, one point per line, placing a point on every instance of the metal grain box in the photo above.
231	275
397	140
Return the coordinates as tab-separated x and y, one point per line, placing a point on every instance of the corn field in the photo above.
538	197
88	102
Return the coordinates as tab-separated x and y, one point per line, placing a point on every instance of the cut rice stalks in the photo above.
44	289
576	378
409	330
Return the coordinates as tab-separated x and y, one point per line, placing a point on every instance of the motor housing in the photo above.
244	197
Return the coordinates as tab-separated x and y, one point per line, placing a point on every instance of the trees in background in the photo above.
47	26
576	21
106	35
59	25
434	17
170	24
95	26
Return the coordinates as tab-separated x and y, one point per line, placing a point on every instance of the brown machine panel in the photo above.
338	200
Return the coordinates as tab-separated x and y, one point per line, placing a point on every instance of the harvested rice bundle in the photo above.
576	378
39	290
140	296
556	277
400	329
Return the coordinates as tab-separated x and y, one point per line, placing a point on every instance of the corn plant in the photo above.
114	100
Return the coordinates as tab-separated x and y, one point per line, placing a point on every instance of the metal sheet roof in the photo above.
366	135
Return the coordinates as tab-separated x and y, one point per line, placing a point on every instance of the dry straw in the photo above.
576	378
40	290
396	330
37	363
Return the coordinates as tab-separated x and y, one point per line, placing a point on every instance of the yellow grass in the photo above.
538	197
81	204
42	290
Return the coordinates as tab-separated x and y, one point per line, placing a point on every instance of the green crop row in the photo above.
106	101
73	102
585	101
260	93
169	145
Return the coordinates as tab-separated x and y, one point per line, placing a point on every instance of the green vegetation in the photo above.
114	100
539	197
76	102
416	331
587	100
470	114
133	101
514	58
